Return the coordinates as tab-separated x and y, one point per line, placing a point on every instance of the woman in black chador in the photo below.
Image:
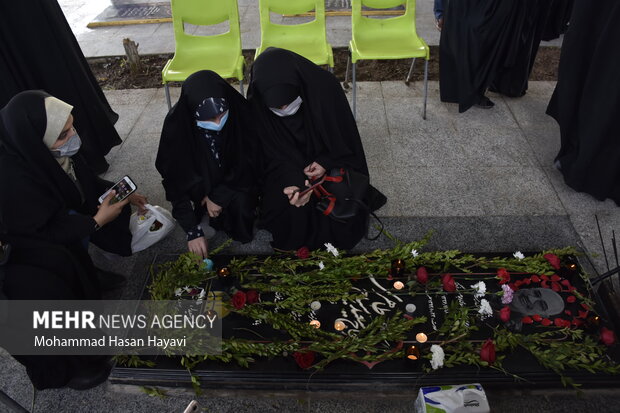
48	213
207	161
586	100
306	128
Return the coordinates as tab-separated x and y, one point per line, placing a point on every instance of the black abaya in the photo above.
39	51
190	170
323	130
586	100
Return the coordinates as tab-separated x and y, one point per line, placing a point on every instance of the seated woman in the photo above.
206	158
48	212
306	128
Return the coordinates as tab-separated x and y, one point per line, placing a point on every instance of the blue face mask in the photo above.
216	127
70	148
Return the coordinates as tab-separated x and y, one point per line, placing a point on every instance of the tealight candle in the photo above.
315	323
410	308
339	325
315	305
398	285
413	353
421	338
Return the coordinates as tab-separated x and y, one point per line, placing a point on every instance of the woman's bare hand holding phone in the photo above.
293	195
108	212
199	246
213	209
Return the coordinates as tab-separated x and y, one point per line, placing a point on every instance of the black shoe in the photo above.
109	280
90	376
484	103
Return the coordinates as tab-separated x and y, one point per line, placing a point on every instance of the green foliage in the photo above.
154	392
133	361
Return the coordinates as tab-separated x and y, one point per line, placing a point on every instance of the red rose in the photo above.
535	278
558	322
448	283
568	312
252	297
585	306
238	300
518	283
536	318
555	277
303	253
571	299
527	320
553	259
422	275
607	336
565	283
576	322
544	277
546	322
544	284
556	287
582	314
304	360
487	352
503	276
504	314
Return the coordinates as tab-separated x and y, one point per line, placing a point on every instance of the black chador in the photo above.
491	44
321	129
46	215
195	161
586	100
39	51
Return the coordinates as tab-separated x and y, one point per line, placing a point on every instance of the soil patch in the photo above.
113	72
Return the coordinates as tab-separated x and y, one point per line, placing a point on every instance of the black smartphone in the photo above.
123	188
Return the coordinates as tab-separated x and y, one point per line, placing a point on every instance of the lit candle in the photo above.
339	325
315	323
399	285
413	353
421	338
223	272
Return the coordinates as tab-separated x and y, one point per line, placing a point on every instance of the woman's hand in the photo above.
213	209
199	246
108	212
293	196
139	201
314	170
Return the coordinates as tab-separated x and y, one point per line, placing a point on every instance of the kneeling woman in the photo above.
207	161
48	213
306	128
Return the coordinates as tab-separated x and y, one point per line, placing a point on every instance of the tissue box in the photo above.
458	398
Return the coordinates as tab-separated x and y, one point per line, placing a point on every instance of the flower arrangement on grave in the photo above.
479	309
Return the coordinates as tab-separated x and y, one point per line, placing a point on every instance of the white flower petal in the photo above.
321	265
415	253
518	255
438	356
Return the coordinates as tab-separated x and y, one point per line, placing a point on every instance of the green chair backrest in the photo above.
299	38
405	21
206	13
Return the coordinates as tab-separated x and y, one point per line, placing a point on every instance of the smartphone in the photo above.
123	188
191	407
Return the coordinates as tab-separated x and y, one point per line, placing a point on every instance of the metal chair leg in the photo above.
346	73
167	95
410	72
241	86
425	88
354	89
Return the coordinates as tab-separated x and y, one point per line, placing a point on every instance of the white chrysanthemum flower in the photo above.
485	308
480	288
321	265
331	248
518	255
202	294
438	356
178	292
414	252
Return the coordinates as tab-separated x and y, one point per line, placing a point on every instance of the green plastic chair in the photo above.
386	38
306	39
220	53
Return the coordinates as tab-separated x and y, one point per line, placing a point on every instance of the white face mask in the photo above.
290	109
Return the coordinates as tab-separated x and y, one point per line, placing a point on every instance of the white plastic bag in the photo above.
149	228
